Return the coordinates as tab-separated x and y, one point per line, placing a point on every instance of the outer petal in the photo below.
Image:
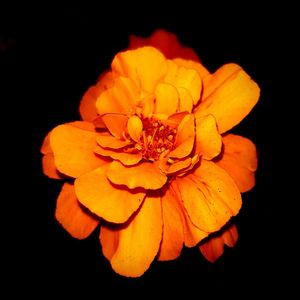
113	203
185	137
213	248
185	78
145	66
192	234
239	160
120	99
132	247
145	175
87	107
166	42
72	216
73	149
208	139
49	167
229	95
191	64
210	196
173	235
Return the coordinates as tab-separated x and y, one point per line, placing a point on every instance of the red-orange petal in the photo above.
113	203
145	175
239	160
229	95
132	247
208	140
145	66
166	42
79	222
49	167
213	247
210	196
73	149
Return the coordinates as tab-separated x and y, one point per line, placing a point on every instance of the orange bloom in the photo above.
151	160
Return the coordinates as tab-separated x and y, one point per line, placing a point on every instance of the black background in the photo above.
62	52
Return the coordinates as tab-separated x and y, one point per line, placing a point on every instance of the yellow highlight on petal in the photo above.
135	128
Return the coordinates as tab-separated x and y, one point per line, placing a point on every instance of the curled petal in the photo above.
229	95
108	141
116	124
145	175
135	128
132	247
79	222
239	160
113	203
126	158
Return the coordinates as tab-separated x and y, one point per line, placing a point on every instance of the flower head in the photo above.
151	160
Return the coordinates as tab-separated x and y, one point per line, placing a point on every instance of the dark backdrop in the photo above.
62	53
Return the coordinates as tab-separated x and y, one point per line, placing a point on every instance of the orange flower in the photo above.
151	160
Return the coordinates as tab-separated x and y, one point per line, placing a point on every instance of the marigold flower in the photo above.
152	160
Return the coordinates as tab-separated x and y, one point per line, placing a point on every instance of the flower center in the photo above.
156	139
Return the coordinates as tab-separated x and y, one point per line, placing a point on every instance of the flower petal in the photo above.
135	128
145	175
173	237
87	107
49	167
192	234
132	247
75	219
166	42
166	99
189	79
116	124
191	64
171	168
229	95
239	160
145	66
213	247
185	137
108	141
210	196
113	203
73	149
120	99
186	100
126	158
208	139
